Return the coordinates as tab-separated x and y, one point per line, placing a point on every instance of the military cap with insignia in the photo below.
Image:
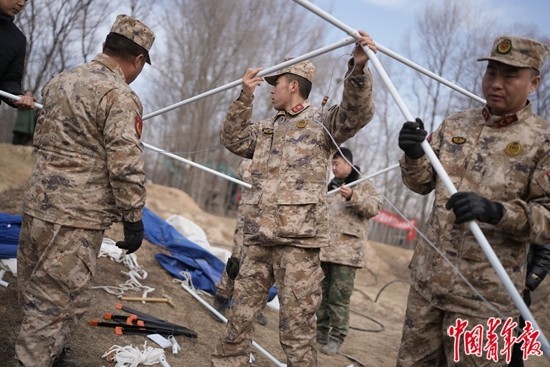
518	52
135	31
305	69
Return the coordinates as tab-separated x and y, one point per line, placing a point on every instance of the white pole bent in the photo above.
17	98
474	227
309	55
224	319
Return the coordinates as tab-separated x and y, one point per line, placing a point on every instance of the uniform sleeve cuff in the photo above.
133	216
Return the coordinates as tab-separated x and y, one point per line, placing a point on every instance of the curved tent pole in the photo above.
295	60
473	225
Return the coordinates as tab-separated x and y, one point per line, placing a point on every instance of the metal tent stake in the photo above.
474	227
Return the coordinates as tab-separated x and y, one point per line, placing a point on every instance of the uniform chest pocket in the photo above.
302	138
297	218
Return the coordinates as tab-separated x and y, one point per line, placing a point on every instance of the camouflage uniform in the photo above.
344	255
225	287
502	158
88	174
285	214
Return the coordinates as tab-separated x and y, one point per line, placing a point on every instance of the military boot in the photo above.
322	336
63	361
261	319
332	347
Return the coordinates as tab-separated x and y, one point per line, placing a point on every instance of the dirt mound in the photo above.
378	304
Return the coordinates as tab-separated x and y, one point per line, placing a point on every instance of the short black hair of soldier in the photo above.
348	155
304	85
123	47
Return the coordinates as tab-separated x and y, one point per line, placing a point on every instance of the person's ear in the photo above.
535	81
139	60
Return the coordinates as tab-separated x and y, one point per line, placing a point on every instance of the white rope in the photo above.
136	273
129	356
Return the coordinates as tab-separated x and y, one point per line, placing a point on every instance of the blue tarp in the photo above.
10	226
205	268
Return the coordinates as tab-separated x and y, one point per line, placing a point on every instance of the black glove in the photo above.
232	268
469	206
534	277
412	134
527	297
133	236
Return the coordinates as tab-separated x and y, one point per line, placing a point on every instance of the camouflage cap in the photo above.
519	52
135	31
304	69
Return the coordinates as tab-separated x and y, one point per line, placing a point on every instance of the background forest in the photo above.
205	44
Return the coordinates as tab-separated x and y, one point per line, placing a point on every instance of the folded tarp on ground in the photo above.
10	226
205	268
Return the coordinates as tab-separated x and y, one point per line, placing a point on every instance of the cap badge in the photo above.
301	124
504	46
458	140
513	149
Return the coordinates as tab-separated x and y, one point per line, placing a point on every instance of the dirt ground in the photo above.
378	303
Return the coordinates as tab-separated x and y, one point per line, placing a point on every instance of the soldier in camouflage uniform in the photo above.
88	174
498	157
285	214
224	289
348	211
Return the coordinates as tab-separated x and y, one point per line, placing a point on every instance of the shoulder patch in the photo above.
138	124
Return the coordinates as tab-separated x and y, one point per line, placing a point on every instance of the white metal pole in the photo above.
309	55
474	227
426	72
17	98
364	178
224	319
171	155
162	151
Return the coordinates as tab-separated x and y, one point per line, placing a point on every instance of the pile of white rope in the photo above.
129	356
136	273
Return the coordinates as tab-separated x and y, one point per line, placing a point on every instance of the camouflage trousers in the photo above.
225	287
333	313
54	266
425	341
297	274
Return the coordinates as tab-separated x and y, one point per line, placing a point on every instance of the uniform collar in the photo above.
6	18
502	121
296	109
111	64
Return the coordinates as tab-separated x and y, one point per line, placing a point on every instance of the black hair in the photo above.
120	46
304	85
346	152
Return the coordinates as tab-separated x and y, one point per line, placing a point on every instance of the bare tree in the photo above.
209	43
